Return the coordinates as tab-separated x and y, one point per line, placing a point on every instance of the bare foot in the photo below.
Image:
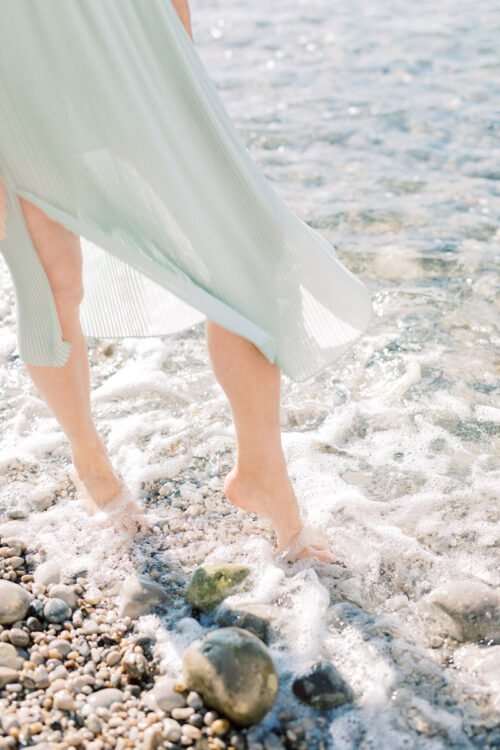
105	497
275	499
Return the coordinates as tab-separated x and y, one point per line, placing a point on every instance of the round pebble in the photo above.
19	637
64	701
56	610
220	726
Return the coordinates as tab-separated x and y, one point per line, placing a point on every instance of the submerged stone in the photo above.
244	619
323	687
473	607
138	595
211	583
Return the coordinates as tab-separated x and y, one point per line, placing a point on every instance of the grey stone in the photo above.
212	583
56	610
14	602
10	657
243	619
234	672
64	592
138	595
47	572
473	607
322	687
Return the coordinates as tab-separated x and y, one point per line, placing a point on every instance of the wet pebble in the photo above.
138	595
322	687
56	610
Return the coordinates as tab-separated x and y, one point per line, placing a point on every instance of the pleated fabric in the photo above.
111	124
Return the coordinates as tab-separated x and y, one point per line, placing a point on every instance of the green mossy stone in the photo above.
211	583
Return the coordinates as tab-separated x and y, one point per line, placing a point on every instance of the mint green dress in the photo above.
111	124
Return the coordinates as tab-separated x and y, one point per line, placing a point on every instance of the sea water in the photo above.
378	124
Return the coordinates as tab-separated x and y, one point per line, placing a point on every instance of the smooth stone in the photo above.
212	583
47	572
473	607
246	620
90	626
194	700
61	646
104	698
188	730
138	596
9	656
19	637
7	676
56	610
171	730
322	687
64	592
14	602
41	677
163	696
234	672
153	738
64	701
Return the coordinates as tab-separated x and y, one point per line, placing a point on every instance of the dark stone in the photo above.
323	687
246	620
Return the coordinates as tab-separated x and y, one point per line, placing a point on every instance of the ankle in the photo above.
89	455
268	471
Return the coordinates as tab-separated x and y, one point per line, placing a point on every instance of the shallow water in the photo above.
378	124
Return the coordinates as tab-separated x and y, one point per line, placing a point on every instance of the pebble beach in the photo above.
375	125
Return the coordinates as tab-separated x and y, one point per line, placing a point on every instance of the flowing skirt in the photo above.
111	124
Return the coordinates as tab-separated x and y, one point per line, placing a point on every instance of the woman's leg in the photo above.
259	481
66	389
